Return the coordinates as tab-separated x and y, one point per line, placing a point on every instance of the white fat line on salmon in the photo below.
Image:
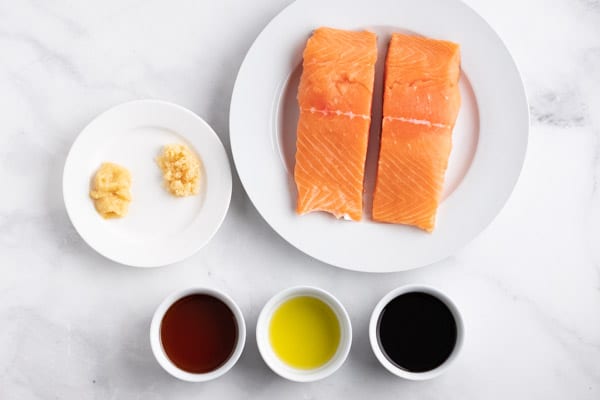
349	114
417	121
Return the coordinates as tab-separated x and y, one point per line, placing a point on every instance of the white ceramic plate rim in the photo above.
216	199
496	166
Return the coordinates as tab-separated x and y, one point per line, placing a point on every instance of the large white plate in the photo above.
159	229
490	137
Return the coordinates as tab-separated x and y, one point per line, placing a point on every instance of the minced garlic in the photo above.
181	170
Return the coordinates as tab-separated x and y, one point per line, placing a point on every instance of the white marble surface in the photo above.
75	326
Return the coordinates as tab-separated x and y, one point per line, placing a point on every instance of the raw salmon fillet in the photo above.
420	104
335	95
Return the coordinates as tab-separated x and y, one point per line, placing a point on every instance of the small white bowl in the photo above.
159	351
415	376
274	362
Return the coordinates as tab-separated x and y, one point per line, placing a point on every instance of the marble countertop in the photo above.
75	325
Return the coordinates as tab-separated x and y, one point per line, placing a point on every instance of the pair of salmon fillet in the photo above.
420	104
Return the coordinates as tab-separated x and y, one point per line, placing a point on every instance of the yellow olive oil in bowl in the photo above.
304	332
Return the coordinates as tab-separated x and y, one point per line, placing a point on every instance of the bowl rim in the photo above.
276	364
375	346
159	351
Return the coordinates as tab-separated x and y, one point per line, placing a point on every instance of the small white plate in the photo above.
490	137
159	229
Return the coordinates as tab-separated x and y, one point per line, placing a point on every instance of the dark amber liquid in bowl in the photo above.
199	333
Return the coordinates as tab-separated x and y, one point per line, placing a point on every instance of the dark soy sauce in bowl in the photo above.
199	333
417	332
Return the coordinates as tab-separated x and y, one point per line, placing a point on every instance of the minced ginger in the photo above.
181	170
111	190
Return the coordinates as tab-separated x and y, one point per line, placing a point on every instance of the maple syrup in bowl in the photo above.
197	334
